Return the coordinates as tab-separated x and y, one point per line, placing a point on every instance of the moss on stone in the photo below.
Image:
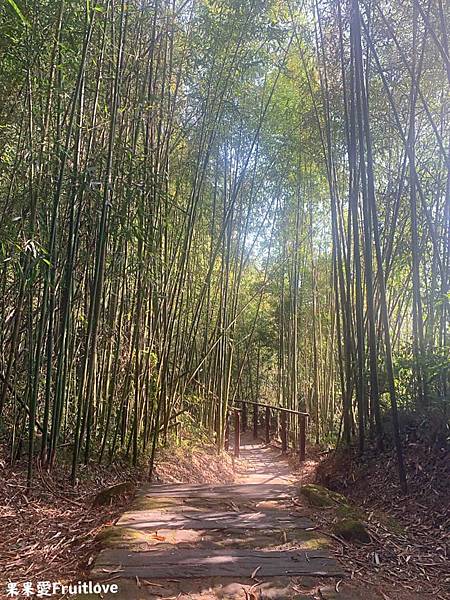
346	511
352	530
316	543
119	537
309	539
321	497
390	523
107	495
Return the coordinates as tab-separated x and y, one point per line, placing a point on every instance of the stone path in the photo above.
252	539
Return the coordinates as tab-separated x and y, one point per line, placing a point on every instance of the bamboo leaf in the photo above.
18	12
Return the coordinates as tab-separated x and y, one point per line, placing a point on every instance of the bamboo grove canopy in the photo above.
210	200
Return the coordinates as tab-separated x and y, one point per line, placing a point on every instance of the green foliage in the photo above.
167	179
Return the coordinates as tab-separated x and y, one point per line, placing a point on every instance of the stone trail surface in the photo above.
253	539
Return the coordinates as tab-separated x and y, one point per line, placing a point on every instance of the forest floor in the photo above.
410	534
53	535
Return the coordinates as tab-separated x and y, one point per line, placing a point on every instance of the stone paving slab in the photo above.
186	564
155	519
263	491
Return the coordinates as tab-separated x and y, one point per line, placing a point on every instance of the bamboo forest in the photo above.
210	205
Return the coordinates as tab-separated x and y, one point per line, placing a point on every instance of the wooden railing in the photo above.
237	430
240	418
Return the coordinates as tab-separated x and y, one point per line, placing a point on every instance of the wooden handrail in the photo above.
302	422
280	408
237	429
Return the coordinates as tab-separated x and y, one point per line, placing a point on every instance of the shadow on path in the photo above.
228	542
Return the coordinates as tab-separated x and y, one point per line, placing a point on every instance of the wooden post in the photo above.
237	433
267	424
284	440
302	438
227	433
244	417
255	421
